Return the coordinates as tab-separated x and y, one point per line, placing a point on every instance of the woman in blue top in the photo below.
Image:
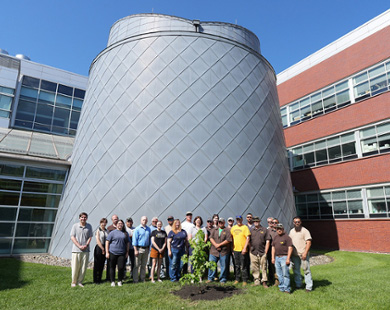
177	245
117	251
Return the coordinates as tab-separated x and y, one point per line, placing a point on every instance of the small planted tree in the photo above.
198	259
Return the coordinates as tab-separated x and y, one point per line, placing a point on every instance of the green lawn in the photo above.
352	281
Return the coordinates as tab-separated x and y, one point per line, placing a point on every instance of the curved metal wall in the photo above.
177	120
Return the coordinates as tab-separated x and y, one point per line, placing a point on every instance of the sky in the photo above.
70	34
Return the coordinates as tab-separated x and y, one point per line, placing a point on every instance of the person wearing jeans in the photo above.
177	245
281	253
175	264
301	240
220	239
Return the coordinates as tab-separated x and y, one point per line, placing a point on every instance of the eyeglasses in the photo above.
297	222
275	222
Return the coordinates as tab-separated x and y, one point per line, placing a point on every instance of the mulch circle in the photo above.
206	292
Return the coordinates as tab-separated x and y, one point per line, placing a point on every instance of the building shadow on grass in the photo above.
11	276
316	284
321	283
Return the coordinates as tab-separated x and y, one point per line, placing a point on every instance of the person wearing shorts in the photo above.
159	244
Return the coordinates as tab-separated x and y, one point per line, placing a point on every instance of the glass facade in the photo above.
6	97
29	199
362	202
370	140
365	84
50	107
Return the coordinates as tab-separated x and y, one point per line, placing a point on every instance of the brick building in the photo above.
335	107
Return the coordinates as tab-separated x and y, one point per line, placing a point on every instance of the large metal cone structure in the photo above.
179	115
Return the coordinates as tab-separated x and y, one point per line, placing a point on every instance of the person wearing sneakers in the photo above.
159	243
117	251
241	235
81	236
259	241
220	239
282	248
141	244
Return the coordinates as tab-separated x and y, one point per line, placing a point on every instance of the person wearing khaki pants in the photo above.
141	243
81	236
260	242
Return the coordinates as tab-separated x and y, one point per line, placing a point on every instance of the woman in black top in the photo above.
159	243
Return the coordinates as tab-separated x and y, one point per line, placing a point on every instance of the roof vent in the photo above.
21	56
196	23
3	52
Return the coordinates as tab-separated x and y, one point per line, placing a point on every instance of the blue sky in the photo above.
69	34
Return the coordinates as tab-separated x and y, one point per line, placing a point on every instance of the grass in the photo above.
352	281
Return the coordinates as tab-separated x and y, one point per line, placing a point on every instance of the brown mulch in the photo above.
206	292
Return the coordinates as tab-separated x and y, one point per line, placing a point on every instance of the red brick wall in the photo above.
357	172
358	114
349	61
369	235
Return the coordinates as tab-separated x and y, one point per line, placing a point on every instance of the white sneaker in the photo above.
112	283
159	280
152	281
120	283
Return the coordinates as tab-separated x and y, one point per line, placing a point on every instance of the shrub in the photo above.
198	260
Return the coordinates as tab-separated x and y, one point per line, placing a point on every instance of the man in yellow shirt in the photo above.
240	235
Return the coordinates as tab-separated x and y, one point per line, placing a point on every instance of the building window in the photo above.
367	83
324	101
6	98
322	152
379	201
283	112
29	199
372	82
45	106
327	205
373	139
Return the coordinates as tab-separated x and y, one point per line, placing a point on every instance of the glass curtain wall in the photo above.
48	107
29	199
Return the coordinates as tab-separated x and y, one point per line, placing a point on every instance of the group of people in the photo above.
250	246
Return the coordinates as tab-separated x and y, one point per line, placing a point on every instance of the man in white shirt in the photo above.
187	225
